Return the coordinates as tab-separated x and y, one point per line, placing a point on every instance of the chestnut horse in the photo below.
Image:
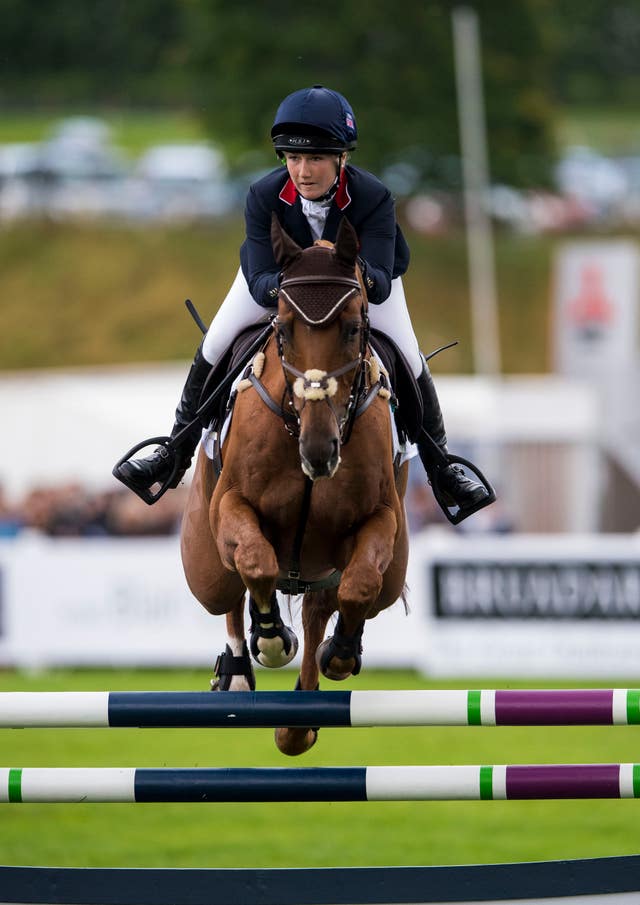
308	499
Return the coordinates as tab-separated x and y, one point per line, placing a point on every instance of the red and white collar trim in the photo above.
289	193
342	197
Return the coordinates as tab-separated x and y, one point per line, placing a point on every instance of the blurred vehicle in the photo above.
71	173
629	208
80	168
19	174
19	160
592	178
80	148
183	182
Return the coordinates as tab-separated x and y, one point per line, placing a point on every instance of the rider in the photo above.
313	132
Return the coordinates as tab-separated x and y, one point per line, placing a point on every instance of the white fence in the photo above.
537	438
480	606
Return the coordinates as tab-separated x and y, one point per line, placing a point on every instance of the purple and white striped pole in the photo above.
511	707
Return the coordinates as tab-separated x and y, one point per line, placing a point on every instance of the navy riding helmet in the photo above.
314	119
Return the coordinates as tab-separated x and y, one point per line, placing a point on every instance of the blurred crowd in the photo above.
74	510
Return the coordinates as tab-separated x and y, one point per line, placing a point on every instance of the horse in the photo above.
309	499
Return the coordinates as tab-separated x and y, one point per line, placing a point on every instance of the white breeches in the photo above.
239	310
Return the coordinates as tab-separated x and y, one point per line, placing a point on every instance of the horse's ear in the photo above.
285	250
347	244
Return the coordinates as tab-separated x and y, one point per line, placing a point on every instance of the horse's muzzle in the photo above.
319	458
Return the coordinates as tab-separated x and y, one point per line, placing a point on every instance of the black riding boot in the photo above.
156	467
457	488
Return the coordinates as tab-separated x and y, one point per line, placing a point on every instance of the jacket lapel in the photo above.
296	224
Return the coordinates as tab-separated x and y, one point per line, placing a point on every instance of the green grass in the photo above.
307	834
608	130
132	131
93	295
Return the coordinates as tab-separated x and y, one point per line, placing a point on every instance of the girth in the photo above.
293	584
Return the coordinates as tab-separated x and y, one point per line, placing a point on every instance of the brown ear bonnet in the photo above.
318	281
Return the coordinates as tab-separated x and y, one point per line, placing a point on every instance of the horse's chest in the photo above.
335	507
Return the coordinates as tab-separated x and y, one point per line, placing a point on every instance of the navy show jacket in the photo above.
361	197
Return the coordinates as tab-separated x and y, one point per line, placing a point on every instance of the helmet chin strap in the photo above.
328	195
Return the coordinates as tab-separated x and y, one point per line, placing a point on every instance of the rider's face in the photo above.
312	174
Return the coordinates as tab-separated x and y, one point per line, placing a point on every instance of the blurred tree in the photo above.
233	62
595	51
394	63
65	51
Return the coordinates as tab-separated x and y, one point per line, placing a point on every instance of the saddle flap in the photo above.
410	410
237	355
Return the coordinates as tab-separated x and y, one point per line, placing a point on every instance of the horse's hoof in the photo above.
343	648
273	644
277	651
328	663
293	742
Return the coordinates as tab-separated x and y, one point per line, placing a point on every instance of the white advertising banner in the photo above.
564	605
487	605
117	602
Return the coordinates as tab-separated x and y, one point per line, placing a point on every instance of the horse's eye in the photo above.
284	332
352	329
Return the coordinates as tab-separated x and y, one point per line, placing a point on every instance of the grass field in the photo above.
91	294
131	131
307	834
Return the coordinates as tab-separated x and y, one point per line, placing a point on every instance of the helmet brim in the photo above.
323	144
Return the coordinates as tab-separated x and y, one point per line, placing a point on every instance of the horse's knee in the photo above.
256	565
358	593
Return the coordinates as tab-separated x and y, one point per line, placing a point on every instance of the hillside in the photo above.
90	294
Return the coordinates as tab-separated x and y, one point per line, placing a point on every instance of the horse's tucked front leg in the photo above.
244	548
358	595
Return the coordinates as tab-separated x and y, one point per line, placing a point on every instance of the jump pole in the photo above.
186	709
537	881
279	784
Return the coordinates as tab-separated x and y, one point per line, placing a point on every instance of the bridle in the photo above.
319	385
315	384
